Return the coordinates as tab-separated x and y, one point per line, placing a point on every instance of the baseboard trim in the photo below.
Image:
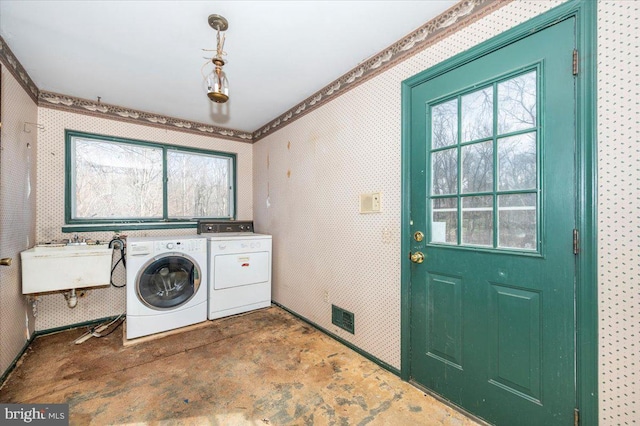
73	326
14	363
348	344
39	333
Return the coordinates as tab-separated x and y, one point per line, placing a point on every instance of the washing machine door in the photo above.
168	281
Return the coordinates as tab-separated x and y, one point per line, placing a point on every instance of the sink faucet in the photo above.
76	241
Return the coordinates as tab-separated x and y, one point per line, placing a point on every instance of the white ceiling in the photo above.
147	55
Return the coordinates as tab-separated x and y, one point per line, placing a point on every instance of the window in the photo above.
484	157
115	180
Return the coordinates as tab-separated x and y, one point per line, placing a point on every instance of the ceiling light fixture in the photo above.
217	84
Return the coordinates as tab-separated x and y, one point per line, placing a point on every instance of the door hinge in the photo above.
575	61
576	241
576	417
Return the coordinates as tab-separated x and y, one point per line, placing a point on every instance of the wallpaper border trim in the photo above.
103	110
448	22
442	26
17	70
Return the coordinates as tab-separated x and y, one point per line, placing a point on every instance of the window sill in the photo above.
92	227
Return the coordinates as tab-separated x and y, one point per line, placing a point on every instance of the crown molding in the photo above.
448	22
114	112
14	66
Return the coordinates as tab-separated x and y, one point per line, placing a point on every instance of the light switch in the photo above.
370	203
375	202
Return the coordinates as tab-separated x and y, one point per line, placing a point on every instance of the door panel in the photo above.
493	189
515	325
444	316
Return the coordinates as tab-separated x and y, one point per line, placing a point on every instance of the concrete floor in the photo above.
266	367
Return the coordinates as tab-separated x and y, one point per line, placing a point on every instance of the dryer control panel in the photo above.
221	227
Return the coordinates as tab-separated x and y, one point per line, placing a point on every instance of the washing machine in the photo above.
239	267
166	283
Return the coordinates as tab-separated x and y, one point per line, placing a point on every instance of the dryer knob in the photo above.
169	246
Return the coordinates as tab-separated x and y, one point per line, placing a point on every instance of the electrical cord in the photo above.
98	330
119	242
101	328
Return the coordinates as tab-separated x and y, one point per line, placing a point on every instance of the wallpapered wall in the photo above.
618	211
308	175
305	183
52	310
17	212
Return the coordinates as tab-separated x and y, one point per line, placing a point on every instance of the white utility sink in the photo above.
55	267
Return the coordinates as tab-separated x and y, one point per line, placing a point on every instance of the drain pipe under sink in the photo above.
71	297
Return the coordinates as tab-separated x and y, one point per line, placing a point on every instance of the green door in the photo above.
493	191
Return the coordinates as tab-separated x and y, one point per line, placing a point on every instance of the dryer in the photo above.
239	268
166	283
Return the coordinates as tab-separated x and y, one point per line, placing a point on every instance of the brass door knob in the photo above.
5	261
418	236
417	257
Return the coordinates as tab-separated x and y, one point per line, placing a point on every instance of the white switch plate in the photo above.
370	203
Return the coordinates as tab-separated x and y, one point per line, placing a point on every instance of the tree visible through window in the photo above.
484	166
198	185
120	180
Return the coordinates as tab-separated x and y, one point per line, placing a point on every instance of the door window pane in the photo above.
444	226
477	220
484	186
517	103
444	124
444	166
477	115
198	185
517	162
116	180
477	167
517	221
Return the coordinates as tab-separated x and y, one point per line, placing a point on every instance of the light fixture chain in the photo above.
217	84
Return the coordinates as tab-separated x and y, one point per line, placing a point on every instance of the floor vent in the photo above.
342	318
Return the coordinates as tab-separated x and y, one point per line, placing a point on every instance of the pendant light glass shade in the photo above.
218	86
